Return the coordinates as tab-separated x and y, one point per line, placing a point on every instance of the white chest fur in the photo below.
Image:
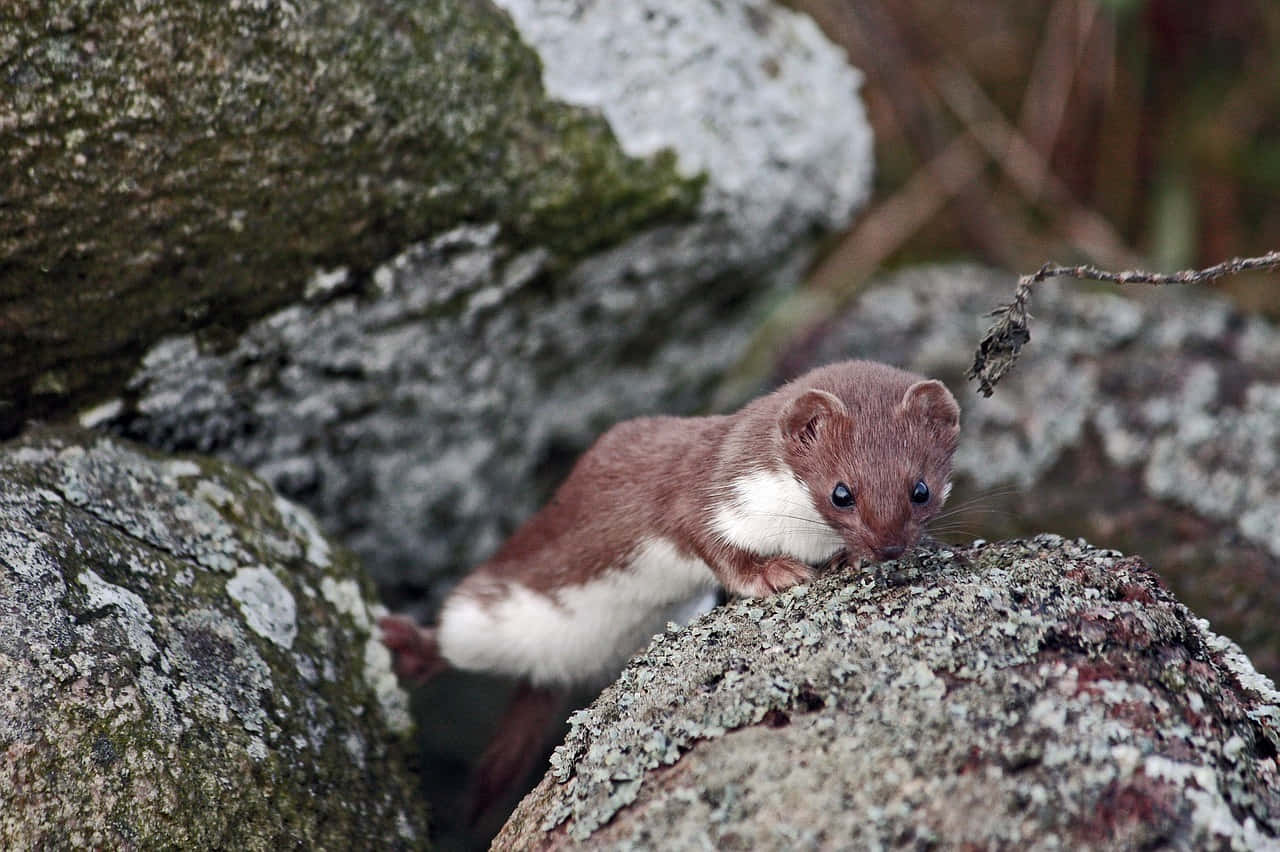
770	513
582	634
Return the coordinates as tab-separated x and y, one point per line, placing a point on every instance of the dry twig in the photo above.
999	347
1068	31
894	221
1088	231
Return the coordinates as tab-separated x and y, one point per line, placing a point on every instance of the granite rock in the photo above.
185	662
1033	694
188	167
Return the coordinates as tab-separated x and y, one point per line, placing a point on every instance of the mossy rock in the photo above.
185	663
188	165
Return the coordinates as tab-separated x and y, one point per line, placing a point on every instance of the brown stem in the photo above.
999	347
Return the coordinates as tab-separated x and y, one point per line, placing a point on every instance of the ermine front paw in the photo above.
773	575
414	648
842	560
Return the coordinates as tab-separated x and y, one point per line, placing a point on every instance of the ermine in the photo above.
848	460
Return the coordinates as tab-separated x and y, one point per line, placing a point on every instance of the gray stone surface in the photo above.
1145	419
1036	694
423	415
185	663
729	87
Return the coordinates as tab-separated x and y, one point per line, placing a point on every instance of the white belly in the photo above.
583	634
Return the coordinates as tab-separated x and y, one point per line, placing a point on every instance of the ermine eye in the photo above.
841	496
920	494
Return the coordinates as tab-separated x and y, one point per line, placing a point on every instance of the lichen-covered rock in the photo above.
1033	694
424	410
1149	423
185	663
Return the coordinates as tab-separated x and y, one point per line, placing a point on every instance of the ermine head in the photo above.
873	444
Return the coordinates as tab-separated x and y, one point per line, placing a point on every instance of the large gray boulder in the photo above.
1147	420
1036	694
189	165
185	663
405	259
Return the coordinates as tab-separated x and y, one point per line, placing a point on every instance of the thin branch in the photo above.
1068	32
999	347
1089	232
892	222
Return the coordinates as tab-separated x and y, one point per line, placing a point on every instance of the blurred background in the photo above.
1121	132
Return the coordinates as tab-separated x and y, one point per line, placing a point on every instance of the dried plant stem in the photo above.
999	347
1087	231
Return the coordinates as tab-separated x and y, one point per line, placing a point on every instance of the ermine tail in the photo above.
414	649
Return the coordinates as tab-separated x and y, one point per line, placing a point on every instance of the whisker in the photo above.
973	504
952	528
808	520
810	529
955	525
972	509
801	519
795	504
965	510
976	501
954	536
996	491
1006	488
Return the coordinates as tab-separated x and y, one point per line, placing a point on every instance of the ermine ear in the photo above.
930	400
805	416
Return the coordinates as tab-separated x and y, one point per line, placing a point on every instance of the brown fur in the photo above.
851	422
897	429
664	477
875	428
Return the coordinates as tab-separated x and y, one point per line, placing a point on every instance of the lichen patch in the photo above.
267	605
128	608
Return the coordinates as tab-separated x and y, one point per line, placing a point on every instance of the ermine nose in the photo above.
892	551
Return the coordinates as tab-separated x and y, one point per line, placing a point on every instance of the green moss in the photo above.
1173	678
187	165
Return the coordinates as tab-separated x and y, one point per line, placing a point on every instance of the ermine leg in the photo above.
781	573
752	576
416	652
